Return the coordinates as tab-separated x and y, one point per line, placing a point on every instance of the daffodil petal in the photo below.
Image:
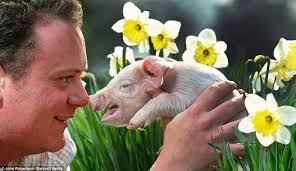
281	49
110	56
130	55
287	115
172	47
280	83
255	103
83	83
157	53
221	61
283	135
271	102
265	141
118	51
256	83
220	46
155	27
273	64
191	43
187	57
130	11
127	42
118	26
144	46
292	73
246	125
207	36
166	53
144	16
172	28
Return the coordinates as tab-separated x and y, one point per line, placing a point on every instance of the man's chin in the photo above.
57	145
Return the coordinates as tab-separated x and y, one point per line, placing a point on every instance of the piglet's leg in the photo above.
165	105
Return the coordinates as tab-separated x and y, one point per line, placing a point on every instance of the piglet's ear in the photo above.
154	69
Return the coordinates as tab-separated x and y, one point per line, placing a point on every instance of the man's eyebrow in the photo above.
68	70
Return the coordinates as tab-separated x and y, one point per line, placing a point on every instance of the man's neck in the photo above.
8	154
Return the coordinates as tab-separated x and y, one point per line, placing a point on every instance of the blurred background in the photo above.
249	27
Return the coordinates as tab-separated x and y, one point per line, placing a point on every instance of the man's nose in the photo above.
79	98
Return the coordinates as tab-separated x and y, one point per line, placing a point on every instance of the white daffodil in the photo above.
267	119
116	59
206	50
163	35
83	83
285	55
134	27
282	69
274	80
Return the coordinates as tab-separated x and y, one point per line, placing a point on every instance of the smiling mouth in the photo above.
110	113
61	118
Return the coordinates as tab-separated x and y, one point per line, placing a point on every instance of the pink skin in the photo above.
34	111
151	88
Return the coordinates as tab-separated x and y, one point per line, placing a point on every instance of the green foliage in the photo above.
101	147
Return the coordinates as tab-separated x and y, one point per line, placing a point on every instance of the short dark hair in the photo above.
17	23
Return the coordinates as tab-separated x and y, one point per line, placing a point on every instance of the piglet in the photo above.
153	87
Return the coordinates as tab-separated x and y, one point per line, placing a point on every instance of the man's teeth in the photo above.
61	118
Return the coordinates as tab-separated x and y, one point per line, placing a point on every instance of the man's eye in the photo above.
66	79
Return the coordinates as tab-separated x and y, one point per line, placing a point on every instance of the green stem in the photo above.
266	78
124	57
264	159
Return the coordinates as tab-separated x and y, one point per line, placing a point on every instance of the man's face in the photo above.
37	106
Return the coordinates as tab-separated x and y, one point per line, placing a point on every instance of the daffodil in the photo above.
134	26
163	35
116	59
206	50
282	69
83	83
267	119
285	53
274	80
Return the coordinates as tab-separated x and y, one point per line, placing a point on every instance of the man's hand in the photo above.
188	134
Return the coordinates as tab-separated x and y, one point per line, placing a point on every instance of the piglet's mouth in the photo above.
110	113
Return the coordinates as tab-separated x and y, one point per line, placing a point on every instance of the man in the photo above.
42	54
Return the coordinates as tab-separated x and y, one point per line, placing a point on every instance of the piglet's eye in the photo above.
126	85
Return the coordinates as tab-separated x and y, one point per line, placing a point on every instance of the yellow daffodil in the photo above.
267	119
116	59
163	35
206	50
133	27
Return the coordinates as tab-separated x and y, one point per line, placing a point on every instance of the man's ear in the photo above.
2	83
2	75
154	68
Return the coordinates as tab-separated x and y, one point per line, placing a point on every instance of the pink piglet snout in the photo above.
98	101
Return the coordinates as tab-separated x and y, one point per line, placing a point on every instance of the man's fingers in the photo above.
238	150
227	110
211	96
227	131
